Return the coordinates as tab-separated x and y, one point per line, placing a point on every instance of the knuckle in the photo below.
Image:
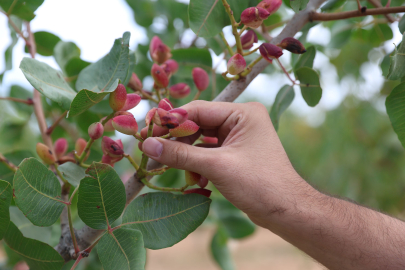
180	155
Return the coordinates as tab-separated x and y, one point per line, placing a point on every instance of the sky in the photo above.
94	24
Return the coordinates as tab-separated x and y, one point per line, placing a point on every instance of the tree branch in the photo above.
377	4
315	16
133	186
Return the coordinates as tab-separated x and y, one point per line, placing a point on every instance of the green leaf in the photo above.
220	251
232	220
85	99
164	218
101	196
38	255
102	75
48	81
339	39
8	54
64	52
397	66
17	91
310	86
379	34
28	229
21	8
238	226
306	59
395	103
6	193
401	25
284	98
45	43
206	17
298	5
332	4
122	249
72	172
37	193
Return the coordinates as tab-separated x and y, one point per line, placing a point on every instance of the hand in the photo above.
249	166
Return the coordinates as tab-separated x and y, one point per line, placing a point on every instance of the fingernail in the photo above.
152	147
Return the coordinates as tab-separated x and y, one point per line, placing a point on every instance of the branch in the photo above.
56	123
26	101
235	88
315	16
133	186
377	4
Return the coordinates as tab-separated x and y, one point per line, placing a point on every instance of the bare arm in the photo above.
251	169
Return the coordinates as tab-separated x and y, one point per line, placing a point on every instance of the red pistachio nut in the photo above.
111	147
248	39
106	159
210	140
125	124
165	119
61	146
293	45
254	16
203	182
270	51
201	191
159	52
119	142
179	90
192	178
131	102
236	64
45	154
270	5
160	76
165	104
170	67
80	145
201	78
107	126
186	129
135	83
118	98
149	116
180	114
96	130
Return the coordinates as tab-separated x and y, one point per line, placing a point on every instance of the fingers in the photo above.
180	155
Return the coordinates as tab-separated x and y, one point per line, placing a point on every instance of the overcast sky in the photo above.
94	24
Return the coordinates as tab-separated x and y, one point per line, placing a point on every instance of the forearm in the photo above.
340	234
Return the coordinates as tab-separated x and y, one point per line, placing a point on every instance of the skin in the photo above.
251	169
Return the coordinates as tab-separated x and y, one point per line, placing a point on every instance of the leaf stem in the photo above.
234	27
8	163
138	137
56	123
286	72
132	161
250	52
26	101
72	230
60	174
221	34
197	95
248	69
152	186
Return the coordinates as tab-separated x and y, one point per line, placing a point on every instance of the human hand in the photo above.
248	166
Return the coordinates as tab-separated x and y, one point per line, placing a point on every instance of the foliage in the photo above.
86	178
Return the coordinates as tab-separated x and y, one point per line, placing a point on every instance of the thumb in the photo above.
179	155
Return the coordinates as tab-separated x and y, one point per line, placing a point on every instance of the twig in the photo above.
8	163
286	72
26	101
221	34
315	16
234	26
377	4
51	128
